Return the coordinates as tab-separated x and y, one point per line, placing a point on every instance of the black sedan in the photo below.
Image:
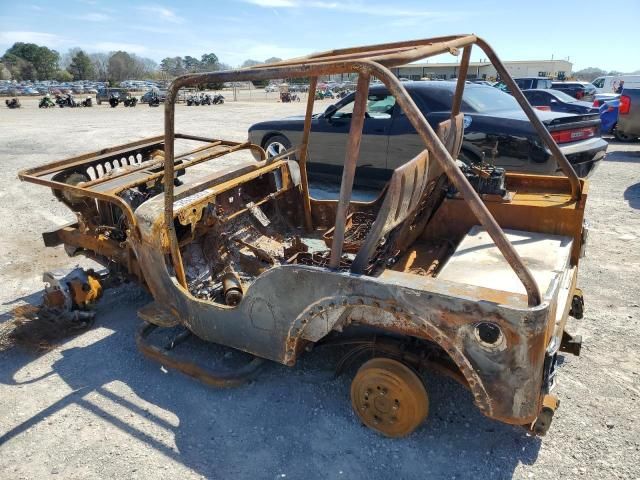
578	90
496	130
558	101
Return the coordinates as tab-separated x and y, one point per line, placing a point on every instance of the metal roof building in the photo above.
484	70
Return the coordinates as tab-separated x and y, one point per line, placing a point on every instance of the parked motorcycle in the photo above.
114	101
130	101
193	100
66	101
154	101
87	102
288	97
13	103
218	99
46	102
322	94
205	99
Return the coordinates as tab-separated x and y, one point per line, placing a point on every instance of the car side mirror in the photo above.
331	109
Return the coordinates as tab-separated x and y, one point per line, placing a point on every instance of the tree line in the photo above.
591	73
28	61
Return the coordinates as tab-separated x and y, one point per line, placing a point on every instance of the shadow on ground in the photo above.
623	156
294	421
632	195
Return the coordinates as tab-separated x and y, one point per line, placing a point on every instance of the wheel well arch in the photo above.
321	310
269	135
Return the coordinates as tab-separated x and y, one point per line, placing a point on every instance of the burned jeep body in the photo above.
476	282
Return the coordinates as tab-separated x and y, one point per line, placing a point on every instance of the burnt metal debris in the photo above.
477	266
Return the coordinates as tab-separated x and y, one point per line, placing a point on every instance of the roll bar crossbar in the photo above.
373	61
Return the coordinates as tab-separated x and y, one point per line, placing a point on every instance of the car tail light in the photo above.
544	108
625	105
596	103
573	135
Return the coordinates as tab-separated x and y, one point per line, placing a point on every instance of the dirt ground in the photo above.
94	407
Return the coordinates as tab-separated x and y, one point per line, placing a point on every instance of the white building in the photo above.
484	70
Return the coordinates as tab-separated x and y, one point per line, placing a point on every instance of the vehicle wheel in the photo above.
623	137
276	145
389	397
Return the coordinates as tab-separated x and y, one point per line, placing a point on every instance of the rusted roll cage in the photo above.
371	61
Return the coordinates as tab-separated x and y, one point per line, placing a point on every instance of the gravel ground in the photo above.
93	407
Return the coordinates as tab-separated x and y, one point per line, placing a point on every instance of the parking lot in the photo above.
94	407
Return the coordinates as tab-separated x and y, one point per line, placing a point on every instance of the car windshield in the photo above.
487	99
563	97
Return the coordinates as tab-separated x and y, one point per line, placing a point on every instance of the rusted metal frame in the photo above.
269	198
99	244
169	228
406	103
93	156
462	77
220	379
368	50
458	179
349	170
409	56
81	192
182	166
141	167
399	57
304	153
574	180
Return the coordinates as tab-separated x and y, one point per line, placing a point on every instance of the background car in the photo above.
526	83
600	98
162	95
496	130
558	101
628	126
578	90
105	93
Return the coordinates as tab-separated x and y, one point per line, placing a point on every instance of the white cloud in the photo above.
94	17
41	38
353	6
274	3
162	13
114	46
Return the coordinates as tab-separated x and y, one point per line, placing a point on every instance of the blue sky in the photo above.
236	30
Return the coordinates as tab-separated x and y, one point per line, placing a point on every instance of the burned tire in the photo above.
276	145
389	397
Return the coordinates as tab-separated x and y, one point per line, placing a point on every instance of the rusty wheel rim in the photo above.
389	397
